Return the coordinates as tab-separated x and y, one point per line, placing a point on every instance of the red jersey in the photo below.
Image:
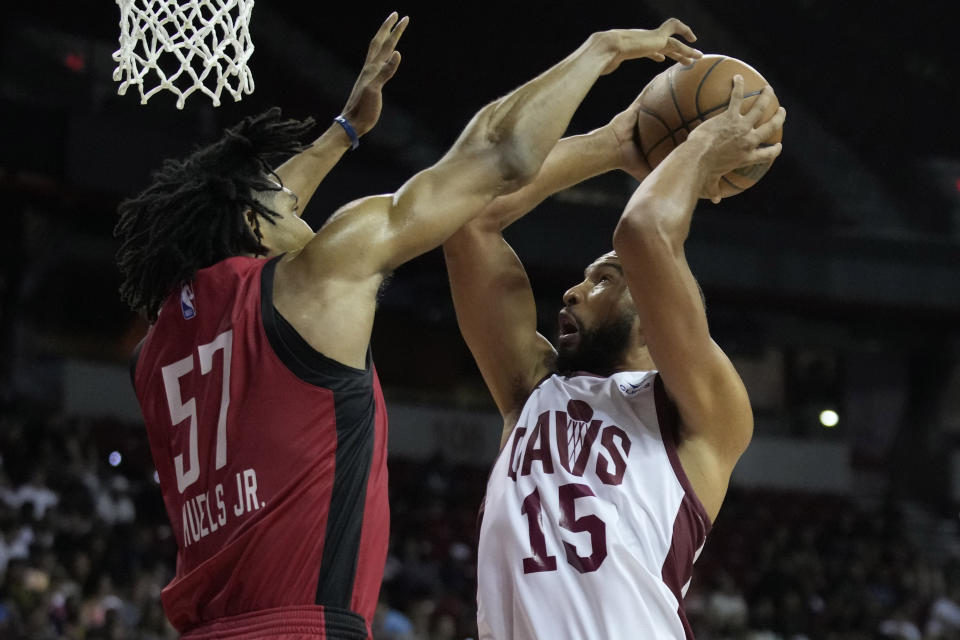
272	464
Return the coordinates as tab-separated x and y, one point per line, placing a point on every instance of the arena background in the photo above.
834	284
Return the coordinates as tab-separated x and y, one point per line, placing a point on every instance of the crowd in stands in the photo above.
85	550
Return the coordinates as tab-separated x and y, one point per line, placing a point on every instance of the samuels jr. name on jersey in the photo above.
575	434
200	519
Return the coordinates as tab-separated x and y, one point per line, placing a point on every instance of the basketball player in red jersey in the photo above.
618	445
264	413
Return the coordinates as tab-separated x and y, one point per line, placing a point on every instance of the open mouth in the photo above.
567	324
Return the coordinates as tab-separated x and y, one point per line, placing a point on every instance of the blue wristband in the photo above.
354	138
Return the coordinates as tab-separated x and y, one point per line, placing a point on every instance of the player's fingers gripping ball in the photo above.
675	102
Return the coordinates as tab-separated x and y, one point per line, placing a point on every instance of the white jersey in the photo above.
590	526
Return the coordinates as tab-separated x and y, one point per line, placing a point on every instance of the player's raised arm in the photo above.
716	419
491	292
305	171
501	150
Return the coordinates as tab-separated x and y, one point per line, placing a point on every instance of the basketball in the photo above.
680	98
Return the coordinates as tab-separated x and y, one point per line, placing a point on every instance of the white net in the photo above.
185	46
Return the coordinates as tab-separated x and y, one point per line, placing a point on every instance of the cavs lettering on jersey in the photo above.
272	465
590	526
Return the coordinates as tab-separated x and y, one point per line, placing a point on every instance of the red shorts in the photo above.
308	622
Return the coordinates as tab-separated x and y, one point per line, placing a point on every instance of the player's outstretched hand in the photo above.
733	140
657	44
623	129
365	102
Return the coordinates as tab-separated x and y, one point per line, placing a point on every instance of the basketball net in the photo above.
185	46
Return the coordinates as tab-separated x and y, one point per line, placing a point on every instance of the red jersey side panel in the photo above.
271	457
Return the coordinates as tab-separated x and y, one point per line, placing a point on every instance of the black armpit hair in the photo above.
192	214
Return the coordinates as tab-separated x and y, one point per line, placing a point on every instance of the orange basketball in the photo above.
680	98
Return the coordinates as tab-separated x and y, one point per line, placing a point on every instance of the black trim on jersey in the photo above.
304	361
341	624
355	413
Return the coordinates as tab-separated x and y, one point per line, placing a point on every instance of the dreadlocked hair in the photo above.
192	214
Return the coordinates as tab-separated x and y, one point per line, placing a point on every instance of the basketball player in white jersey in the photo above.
619	443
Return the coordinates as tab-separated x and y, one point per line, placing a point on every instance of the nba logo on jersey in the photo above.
186	302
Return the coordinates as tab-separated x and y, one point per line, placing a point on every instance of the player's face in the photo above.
597	320
289	232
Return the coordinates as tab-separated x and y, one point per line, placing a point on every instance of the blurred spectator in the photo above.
113	504
391	624
725	607
35	493
14	544
899	626
85	550
943	622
